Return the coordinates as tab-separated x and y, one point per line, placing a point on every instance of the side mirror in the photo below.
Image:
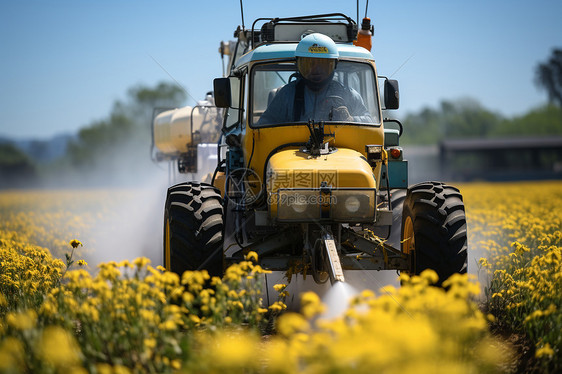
391	94
221	87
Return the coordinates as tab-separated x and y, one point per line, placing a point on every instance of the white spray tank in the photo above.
174	130
188	135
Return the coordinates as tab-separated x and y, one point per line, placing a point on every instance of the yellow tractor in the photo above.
309	174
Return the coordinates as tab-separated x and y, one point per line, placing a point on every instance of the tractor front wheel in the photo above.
193	225
434	229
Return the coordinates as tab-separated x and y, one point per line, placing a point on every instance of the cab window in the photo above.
353	85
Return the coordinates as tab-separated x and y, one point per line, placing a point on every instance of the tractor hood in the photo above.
339	186
295	169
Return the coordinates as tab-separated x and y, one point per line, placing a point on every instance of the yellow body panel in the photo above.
343	168
354	137
220	181
295	169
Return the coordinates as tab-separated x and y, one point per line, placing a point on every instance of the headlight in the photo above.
342	205
298	205
352	204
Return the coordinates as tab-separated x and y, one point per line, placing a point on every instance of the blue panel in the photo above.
234	158
349	50
391	137
398	174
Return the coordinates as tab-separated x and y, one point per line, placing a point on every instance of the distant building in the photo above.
501	159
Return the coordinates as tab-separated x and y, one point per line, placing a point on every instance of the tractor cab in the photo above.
269	107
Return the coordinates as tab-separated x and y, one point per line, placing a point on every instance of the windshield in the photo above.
281	95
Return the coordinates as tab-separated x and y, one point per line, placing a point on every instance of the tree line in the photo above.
467	118
114	149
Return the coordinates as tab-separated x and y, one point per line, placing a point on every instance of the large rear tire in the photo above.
193	225
434	229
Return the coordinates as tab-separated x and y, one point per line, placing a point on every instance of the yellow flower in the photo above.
279	287
82	263
12	355
188	297
141	262
150	343
235	351
404	277
238	304
175	364
104	368
23	320
278	306
125	264
59	348
367	294
75	243
291	323
120	369
252	256
430	276
544	351
311	305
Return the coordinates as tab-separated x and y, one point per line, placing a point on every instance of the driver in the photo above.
315	95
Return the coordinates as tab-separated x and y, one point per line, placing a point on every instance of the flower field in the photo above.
519	227
58	314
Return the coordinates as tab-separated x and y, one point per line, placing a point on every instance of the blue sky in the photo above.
63	63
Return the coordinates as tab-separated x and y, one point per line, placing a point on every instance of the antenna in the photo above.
171	76
404	63
366	8
242	12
